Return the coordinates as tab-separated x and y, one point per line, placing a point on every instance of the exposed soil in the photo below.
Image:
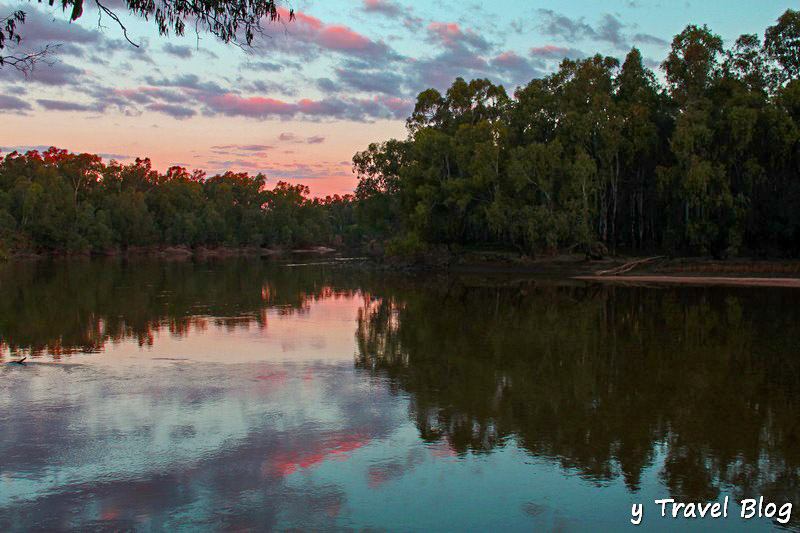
698	280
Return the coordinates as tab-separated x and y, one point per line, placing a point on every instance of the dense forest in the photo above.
57	201
598	156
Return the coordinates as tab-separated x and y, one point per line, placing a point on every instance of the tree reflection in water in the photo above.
600	378
66	307
606	381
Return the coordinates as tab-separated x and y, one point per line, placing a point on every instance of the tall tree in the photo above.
782	43
643	124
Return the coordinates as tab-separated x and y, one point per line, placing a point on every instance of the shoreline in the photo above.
698	271
704	281
172	252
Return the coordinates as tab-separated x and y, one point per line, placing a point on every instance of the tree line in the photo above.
61	202
600	156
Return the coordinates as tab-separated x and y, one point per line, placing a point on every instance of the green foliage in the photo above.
598	155
409	244
782	43
61	202
594	156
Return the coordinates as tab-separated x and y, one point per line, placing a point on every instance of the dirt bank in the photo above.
697	280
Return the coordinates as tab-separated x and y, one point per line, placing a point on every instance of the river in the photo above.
246	394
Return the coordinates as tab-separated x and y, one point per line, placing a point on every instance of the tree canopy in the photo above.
61	202
599	156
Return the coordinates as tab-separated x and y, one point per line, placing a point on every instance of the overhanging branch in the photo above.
115	18
26	63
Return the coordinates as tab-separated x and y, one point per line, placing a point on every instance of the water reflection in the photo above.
601	378
562	402
78	307
203	447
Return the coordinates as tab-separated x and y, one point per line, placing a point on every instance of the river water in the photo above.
246	394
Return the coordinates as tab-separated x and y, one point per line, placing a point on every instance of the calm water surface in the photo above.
248	395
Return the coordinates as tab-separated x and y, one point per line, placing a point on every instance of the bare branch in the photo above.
115	18
26	63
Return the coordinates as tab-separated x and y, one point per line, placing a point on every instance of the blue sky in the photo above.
315	90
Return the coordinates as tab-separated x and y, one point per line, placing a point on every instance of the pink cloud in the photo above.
186	102
334	447
318	107
520	69
382	6
254	106
399	106
302	19
554	52
508	59
335	37
341	38
446	32
451	36
257	107
547	49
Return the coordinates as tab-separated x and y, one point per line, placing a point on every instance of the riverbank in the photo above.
177	252
616	269
700	271
579	265
619	269
793	283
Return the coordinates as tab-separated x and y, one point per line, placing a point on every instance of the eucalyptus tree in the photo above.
379	187
697	182
645	122
590	125
782	43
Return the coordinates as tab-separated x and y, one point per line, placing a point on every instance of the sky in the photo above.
312	92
